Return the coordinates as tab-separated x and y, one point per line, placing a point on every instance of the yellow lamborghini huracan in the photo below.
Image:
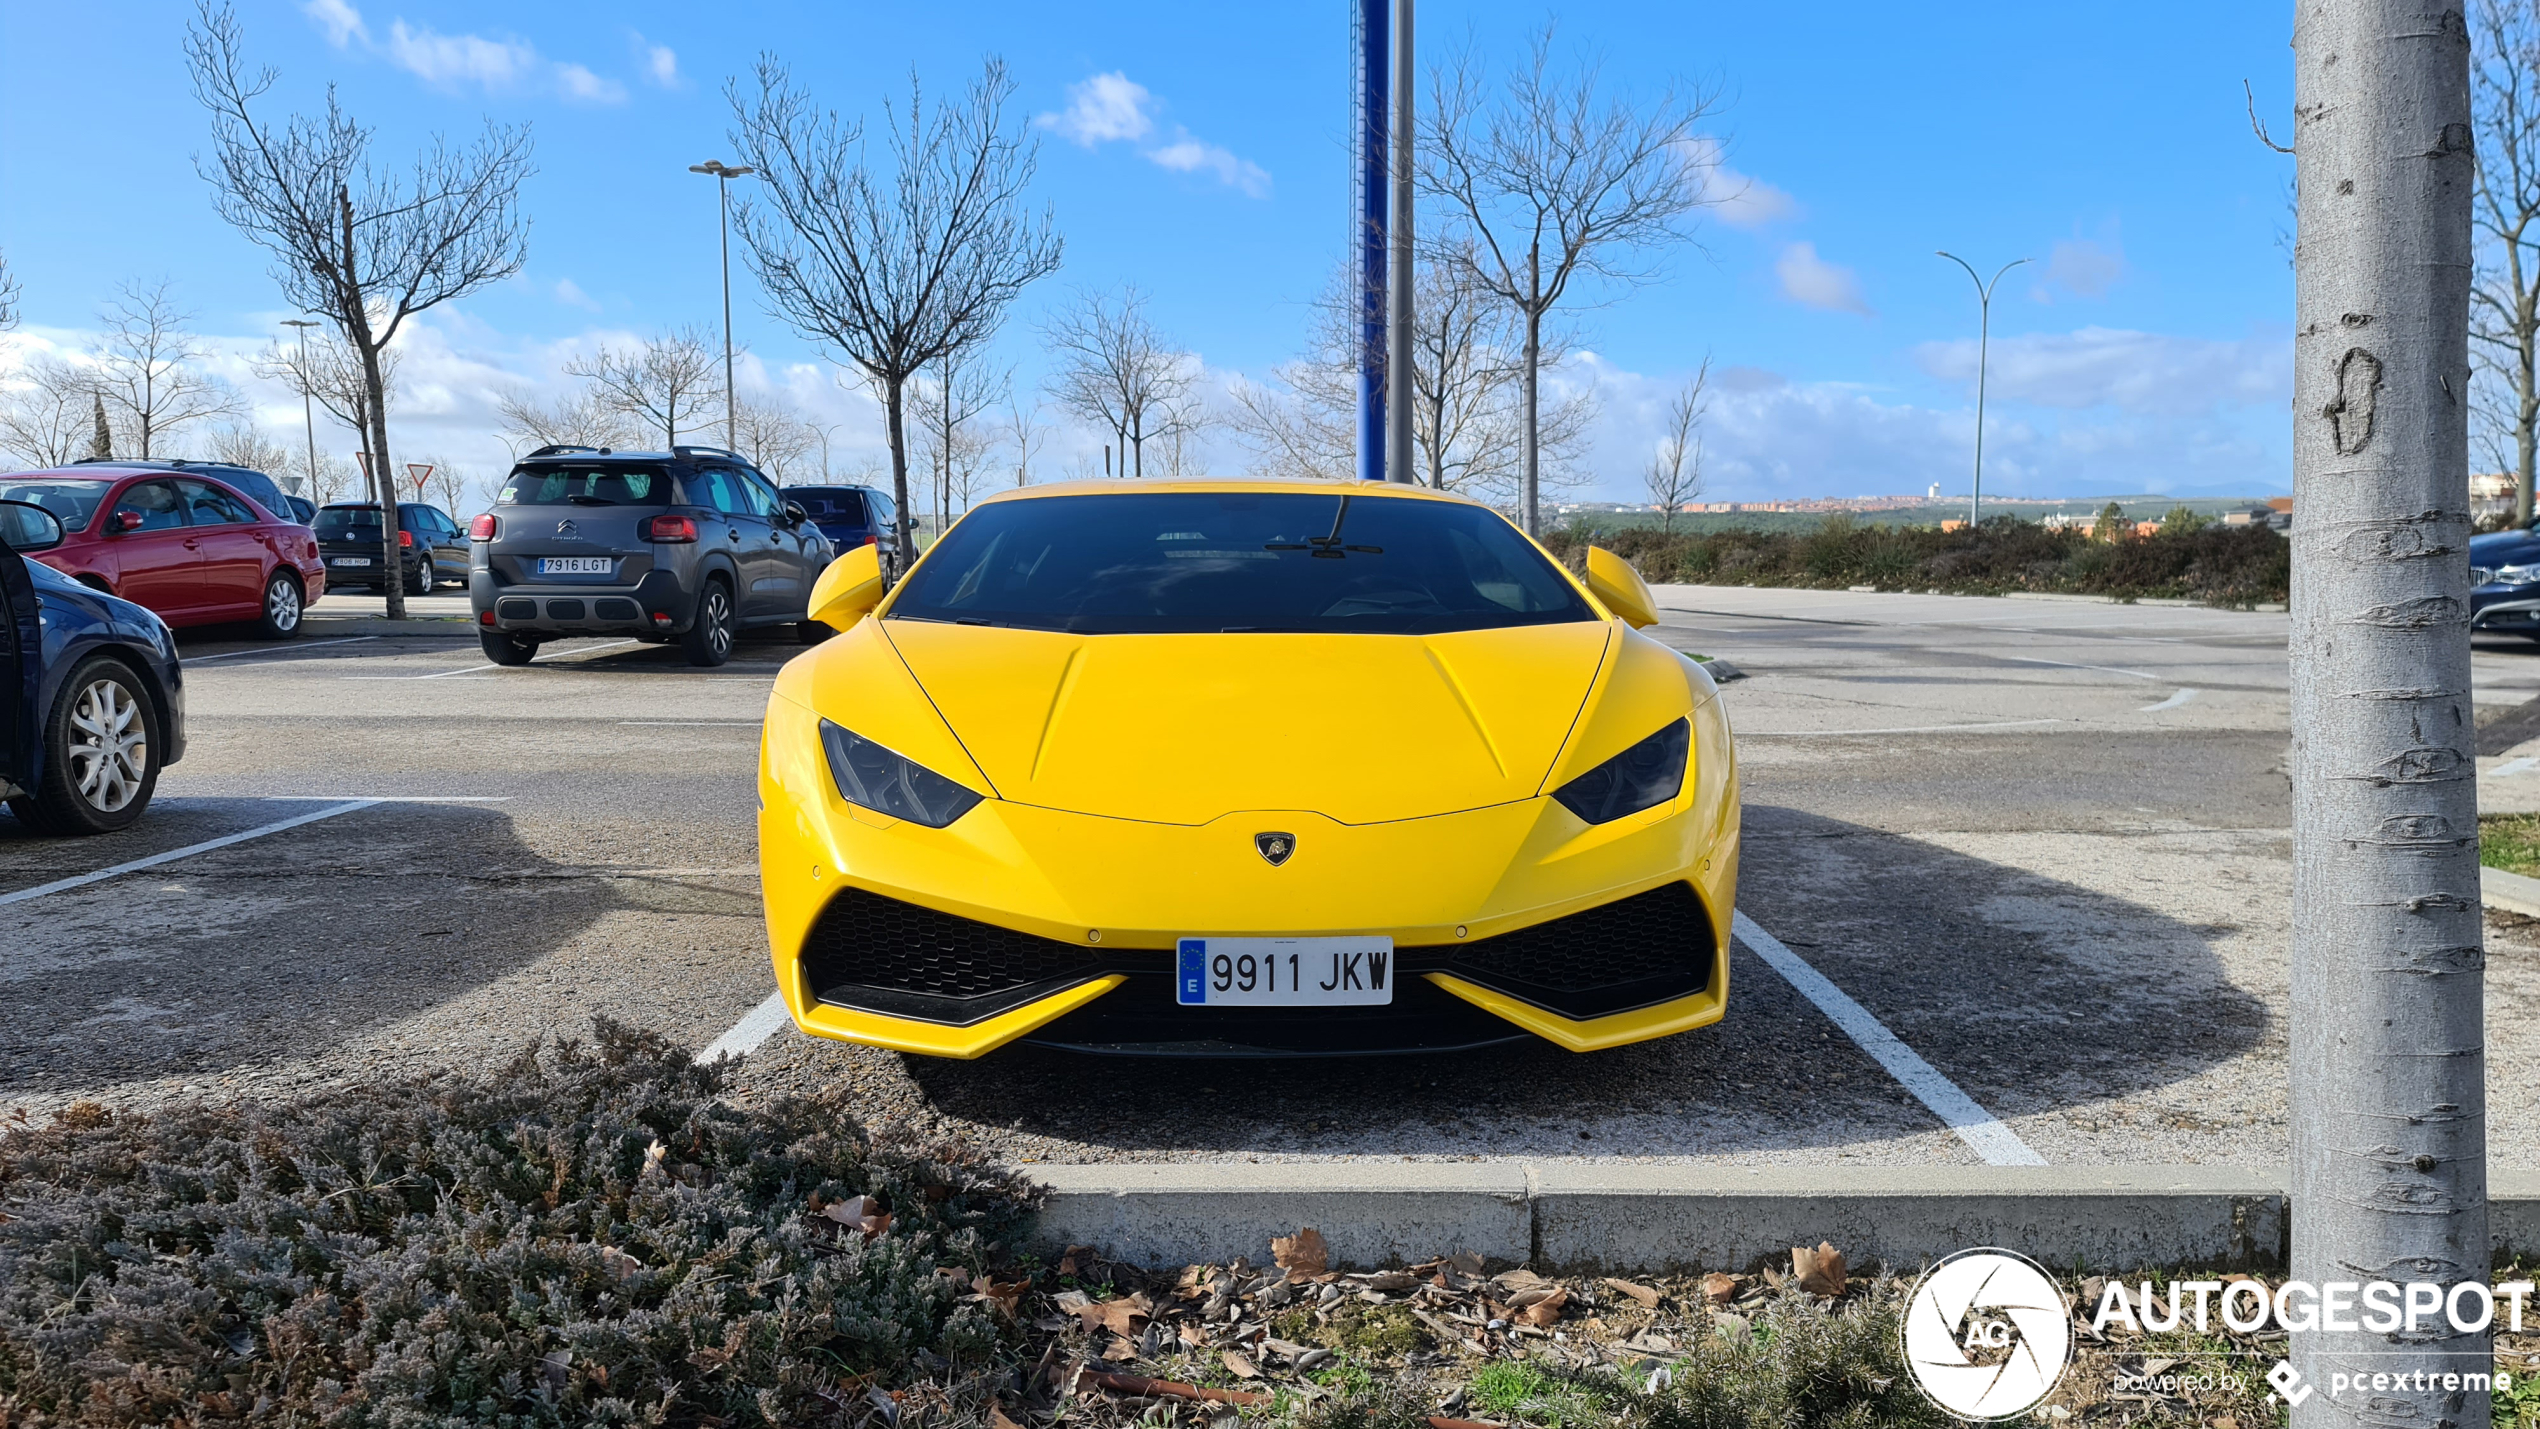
1243	768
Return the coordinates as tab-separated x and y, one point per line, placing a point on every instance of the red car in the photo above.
191	548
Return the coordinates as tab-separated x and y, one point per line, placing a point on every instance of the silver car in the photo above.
691	544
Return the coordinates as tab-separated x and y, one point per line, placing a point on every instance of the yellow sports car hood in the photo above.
1182	729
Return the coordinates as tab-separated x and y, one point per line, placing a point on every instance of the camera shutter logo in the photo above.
1987	1334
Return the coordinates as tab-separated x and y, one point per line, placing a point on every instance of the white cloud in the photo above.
580	84
2142	372
1103	108
1736	199
1113	108
1188	155
2083	268
341	22
449	61
570	294
1809	279
662	64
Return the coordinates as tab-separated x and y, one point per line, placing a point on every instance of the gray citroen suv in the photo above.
691	544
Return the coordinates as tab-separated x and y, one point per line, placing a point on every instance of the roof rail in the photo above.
560	448
682	452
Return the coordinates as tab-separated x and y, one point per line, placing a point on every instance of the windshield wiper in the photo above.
580	499
1326	546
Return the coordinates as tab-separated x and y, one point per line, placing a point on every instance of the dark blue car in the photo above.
2504	578
92	704
851	516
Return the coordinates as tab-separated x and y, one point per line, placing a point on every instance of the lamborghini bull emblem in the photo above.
1274	848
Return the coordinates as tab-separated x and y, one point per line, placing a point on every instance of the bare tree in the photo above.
355	241
9	294
1467	410
2388	1066
1553	181
146	370
1674	476
670	384
2505	299
954	444
1116	371
891	271
580	419
328	370
45	414
776	438
245	444
1027	433
324	483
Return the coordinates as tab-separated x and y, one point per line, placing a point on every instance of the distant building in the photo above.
2492	493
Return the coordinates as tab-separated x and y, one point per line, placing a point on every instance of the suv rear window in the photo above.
1201	561
336	523
611	484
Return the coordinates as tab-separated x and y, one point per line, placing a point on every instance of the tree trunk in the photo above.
2526	397
892	393
2388	1069
383	473
1530	450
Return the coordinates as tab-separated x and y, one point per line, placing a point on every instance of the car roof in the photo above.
1306	486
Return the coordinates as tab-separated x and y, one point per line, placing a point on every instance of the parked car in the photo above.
190	547
691	544
255	485
92	703
851	516
433	546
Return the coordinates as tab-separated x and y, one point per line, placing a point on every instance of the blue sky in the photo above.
2147	347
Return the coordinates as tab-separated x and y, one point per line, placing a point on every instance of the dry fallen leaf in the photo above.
1519	1280
997	1419
1546	1310
618	1263
1241	1368
1388	1280
1000	1295
1121	1317
1819	1271
1647	1297
1470	1262
861	1213
1193	1335
1303	1254
1718	1289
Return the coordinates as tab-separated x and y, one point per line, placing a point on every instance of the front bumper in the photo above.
1023	922
2518	612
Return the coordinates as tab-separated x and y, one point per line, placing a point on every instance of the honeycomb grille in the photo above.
866	941
1642	949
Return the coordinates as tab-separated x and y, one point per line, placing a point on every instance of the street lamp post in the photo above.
724	174
1984	339
308	409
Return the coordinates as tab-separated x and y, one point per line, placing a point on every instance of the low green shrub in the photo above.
587	1236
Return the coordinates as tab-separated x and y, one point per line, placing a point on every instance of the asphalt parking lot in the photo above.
2042	844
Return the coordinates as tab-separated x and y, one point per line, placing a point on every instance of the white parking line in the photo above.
480	669
1980	1129
2512	767
756	1026
2173	702
695	723
172	855
286	650
1893	729
2069	665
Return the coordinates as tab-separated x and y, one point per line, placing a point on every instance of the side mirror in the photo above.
795	515
1612	580
123	521
848	590
27	528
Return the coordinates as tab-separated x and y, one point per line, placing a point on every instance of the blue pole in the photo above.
1369	229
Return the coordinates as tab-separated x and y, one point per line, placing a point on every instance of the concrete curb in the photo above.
1583	1217
2509	891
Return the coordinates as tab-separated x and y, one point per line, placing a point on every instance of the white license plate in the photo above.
575	565
1284	972
348	560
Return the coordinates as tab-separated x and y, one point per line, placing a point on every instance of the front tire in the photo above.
507	649
284	607
421	583
101	753
708	642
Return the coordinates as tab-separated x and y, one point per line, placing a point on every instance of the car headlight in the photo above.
873	777
2518	575
1642	777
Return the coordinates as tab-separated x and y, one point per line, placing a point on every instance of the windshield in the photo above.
73	503
1237	562
831	504
562	484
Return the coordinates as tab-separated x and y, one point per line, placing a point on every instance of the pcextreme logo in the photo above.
1987	1334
